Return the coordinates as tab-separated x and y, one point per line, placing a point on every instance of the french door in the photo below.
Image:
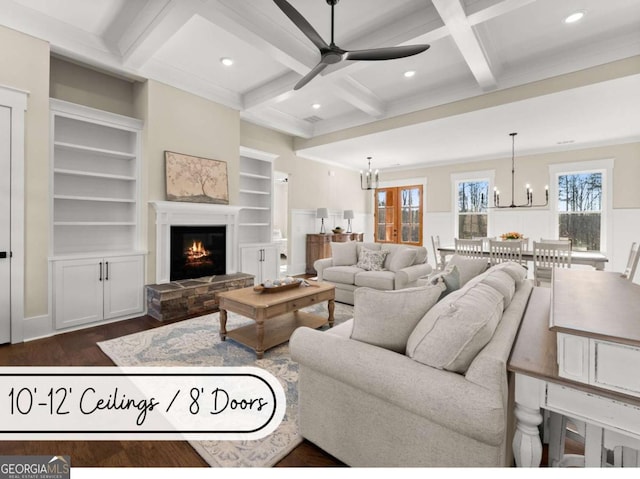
398	215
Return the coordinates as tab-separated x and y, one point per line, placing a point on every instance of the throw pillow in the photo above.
468	267
370	260
456	329
450	277
501	282
344	254
515	270
402	258
387	318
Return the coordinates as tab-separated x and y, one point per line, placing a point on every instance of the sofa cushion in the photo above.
371	260
468	267
344	254
401	258
515	270
421	255
387	318
502	282
384	280
341	274
450	277
453	332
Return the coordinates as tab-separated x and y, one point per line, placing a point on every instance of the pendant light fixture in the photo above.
369	180
529	191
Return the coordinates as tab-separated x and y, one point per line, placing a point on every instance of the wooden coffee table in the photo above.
276	315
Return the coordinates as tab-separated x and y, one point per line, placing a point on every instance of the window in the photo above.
580	209
398	215
580	199
471	208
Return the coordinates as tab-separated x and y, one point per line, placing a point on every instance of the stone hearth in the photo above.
191	297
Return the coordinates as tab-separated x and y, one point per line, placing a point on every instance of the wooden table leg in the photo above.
260	338
331	306
223	324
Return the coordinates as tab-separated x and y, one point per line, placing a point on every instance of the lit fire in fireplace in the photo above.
196	252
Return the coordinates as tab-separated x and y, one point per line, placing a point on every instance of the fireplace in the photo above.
197	251
170	214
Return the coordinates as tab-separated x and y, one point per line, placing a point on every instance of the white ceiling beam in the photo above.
359	96
152	27
496	10
256	29
455	18
277	120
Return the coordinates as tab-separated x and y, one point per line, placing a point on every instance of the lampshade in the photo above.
322	213
348	214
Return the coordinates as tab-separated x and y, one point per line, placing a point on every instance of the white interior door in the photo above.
5	224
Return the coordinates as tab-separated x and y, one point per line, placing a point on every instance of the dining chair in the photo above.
549	255
469	247
508	250
632	262
485	241
435	242
558	241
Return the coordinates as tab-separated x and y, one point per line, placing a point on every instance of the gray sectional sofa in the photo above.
403	266
416	381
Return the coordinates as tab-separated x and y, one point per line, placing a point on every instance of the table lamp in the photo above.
322	213
348	215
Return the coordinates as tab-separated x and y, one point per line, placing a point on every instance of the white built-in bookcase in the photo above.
96	263
95	180
256	199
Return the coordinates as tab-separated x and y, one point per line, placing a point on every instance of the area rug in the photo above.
196	342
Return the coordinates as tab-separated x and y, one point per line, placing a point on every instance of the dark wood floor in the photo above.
79	348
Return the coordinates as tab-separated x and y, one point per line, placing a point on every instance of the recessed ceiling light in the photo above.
574	17
316	106
227	62
409	74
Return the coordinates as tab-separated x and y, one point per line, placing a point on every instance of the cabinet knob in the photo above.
3	254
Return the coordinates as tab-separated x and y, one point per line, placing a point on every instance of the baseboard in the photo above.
38	327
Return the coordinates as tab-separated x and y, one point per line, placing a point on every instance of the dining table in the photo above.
596	259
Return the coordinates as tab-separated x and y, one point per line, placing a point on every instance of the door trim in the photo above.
16	100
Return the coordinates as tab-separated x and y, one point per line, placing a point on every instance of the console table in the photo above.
576	354
319	246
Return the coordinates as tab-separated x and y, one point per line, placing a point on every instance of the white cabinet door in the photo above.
261	260
250	262
78	292
270	262
123	286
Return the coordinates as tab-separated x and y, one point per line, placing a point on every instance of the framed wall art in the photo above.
196	180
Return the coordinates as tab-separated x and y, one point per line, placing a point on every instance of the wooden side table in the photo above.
319	246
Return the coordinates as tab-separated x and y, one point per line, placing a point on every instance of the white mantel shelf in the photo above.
177	213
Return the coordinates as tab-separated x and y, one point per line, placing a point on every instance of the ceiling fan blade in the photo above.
387	53
311	75
304	26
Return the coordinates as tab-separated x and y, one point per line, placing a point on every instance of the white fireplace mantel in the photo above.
174	213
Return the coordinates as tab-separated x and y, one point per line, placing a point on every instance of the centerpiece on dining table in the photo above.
512	235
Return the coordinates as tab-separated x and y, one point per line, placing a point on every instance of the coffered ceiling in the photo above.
477	47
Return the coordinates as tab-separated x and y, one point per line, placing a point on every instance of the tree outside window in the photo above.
580	209
472	208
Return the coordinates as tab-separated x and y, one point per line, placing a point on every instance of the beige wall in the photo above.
78	84
25	65
179	121
534	170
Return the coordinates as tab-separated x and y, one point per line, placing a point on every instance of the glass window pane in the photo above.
582	228
580	192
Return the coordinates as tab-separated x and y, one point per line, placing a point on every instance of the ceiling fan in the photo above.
331	53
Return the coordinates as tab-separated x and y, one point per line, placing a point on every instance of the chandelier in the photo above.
369	180
529	191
